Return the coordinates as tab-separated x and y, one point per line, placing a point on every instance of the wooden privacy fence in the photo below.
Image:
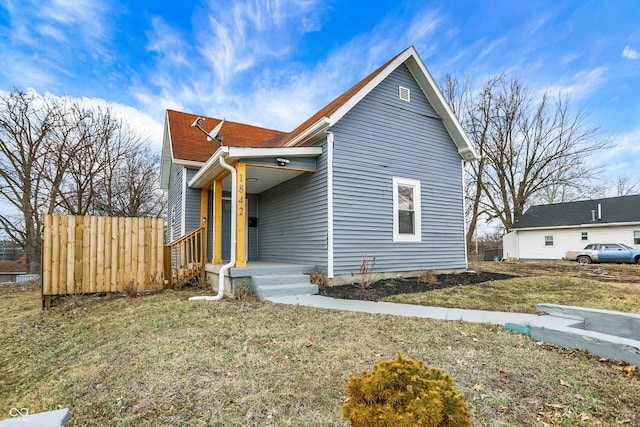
89	254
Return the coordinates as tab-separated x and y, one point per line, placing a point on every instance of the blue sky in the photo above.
274	63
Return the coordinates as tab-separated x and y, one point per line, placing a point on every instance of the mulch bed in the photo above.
387	287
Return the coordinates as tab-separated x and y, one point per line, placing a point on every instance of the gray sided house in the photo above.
378	172
547	232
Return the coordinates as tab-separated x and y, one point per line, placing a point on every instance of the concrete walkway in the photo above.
412	310
565	330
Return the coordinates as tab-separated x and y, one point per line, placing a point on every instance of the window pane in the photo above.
636	237
585	236
405	197
405	222
548	240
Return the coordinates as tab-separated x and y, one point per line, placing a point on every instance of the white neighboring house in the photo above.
546	232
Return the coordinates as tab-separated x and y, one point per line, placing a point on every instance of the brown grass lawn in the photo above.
160	360
604	286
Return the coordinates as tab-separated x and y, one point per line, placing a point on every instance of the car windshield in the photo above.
624	246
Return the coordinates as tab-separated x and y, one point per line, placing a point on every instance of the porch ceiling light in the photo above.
282	161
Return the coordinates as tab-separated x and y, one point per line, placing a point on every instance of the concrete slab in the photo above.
58	418
626	325
602	345
609	334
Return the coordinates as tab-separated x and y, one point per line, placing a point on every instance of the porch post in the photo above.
204	214
217	221
241	215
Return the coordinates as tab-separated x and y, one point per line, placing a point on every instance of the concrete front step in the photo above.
272	283
280	279
290	289
270	269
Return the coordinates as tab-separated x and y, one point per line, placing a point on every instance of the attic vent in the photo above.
405	93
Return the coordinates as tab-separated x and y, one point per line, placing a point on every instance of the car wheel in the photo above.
638	260
584	260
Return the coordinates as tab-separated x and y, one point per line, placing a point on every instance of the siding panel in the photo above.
174	200
192	210
382	137
293	219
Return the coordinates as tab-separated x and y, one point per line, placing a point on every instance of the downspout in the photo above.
232	255
330	254
464	219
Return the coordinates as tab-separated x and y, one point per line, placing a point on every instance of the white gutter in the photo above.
315	129
232	250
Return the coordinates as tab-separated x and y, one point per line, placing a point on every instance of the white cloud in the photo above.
44	39
220	72
167	42
579	85
624	151
146	127
246	33
142	124
68	20
630	53
253	81
424	25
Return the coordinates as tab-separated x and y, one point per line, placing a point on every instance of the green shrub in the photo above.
403	393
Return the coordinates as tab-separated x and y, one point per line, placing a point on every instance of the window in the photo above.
636	237
406	210
612	247
548	240
585	235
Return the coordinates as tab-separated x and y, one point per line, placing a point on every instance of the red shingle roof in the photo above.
189	143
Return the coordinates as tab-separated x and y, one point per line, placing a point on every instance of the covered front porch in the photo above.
233	177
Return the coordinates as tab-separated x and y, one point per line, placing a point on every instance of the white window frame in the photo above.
416	236
636	235
548	238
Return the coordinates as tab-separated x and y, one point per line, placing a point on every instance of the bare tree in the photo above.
530	150
95	146
626	185
61	156
477	114
26	125
131	186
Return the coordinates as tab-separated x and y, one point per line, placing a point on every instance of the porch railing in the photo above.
184	258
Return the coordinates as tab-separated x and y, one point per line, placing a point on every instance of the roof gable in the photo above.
185	144
613	210
335	110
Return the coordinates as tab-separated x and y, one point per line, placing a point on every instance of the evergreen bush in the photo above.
403	393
